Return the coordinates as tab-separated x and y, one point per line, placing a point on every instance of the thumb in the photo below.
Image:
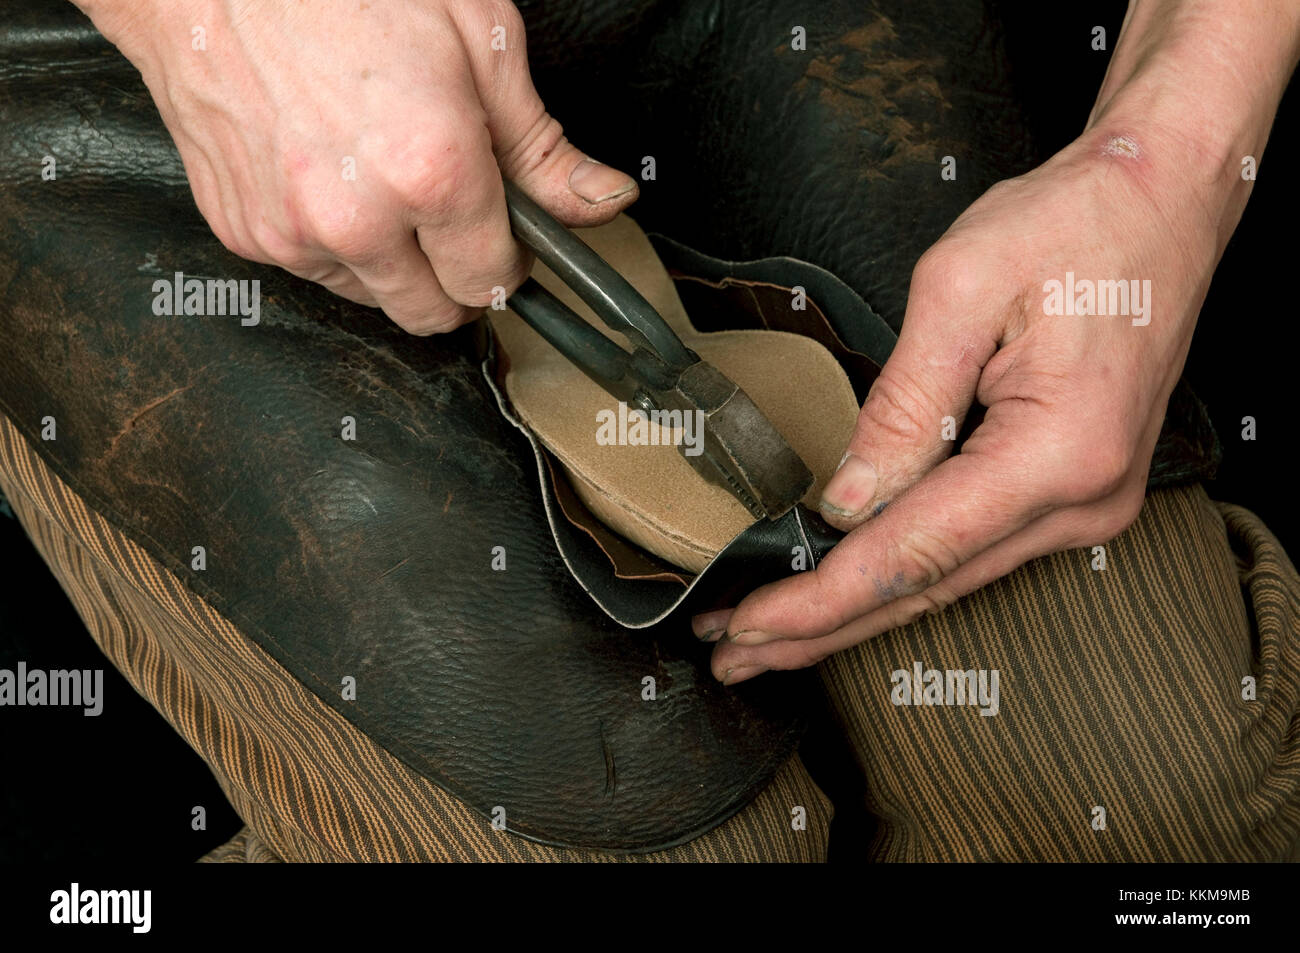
576	189
909	421
530	145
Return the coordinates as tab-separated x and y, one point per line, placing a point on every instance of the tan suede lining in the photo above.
650	494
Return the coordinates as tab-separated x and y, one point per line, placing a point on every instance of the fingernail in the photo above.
734	676
752	637
710	626
596	182
851	489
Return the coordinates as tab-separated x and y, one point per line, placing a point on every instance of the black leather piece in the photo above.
765	551
368	558
830	155
852	319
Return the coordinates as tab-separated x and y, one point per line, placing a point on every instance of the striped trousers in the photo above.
1144	711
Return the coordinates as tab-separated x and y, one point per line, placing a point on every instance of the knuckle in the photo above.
478	300
433	185
535	147
441	175
513	273
232	242
1119	515
439	320
1111	469
932	602
894	406
244	249
920	561
1000	187
502	271
278	247
792	655
806	654
341	229
915	608
931	266
946	273
1093	470
471	300
830	600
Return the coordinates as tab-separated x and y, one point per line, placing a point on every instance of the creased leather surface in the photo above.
830	155
371	558
368	558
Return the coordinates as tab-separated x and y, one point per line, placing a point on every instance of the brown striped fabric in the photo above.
1120	699
1120	689
308	785
244	848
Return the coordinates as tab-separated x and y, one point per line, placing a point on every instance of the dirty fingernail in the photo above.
710	626
851	489
734	676
596	182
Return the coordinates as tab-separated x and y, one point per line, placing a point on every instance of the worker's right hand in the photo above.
362	145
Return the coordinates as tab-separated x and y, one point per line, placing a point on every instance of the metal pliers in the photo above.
743	452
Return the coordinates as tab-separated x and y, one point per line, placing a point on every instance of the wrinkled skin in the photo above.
1149	192
367	153
1075	405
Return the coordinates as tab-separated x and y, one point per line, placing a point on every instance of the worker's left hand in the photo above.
1075	404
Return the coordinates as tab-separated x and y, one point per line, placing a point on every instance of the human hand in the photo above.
362	146
1075	403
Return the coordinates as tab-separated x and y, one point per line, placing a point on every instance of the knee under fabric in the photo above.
357	503
437	559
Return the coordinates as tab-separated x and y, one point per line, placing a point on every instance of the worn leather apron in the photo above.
371	559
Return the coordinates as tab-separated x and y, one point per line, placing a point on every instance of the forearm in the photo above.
1198	81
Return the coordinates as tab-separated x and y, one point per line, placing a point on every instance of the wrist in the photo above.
1143	198
1194	86
105	14
131	25
1208	126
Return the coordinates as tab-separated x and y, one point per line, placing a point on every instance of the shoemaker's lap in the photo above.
1146	711
307	783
